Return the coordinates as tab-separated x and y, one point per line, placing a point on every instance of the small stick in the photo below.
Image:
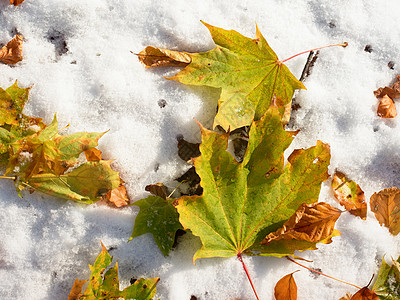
312	270
239	256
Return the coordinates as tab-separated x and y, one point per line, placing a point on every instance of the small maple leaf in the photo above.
106	286
386	207
350	195
243	202
286	288
387	284
11	53
386	108
247	70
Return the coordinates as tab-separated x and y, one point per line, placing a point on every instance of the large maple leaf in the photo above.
243	202
247	70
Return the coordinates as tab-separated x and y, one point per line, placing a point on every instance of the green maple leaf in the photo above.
243	202
387	285
247	70
102	287
159	217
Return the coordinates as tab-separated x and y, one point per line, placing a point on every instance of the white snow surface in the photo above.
96	84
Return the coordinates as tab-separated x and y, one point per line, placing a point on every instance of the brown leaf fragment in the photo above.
386	108
11	53
76	291
157	57
158	189
311	222
16	2
286	288
93	154
365	294
392	92
346	297
118	196
386	207
187	150
350	195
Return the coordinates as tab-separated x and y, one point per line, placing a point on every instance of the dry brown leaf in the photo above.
365	294
158	189
311	222
93	154
157	57
76	290
386	108
392	92
346	297
16	2
350	195
286	288
386	207
12	52
118	196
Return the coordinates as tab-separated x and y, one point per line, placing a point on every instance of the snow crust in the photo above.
77	54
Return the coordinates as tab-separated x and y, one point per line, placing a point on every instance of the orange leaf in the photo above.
93	154
386	108
365	294
350	195
76	290
16	2
286	288
346	297
12	52
386	207
392	92
157	57
310	222
118	196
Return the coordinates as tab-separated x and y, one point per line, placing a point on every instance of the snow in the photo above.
95	83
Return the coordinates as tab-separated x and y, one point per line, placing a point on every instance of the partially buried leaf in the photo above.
158	189
159	217
386	108
118	196
11	53
249	73
106	286
87	183
365	294
187	150
157	57
392	92
244	202
387	284
311	222
350	195
16	2
286	288
386	207
346	297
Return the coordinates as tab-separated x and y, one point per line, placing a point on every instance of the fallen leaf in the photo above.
286	288
350	195
118	196
16	2
159	217
386	207
249	73
157	57
243	202
11	53
346	297
158	189
386	108
103	287
187	151
76	291
392	92
311	222
93	154
365	294
387	284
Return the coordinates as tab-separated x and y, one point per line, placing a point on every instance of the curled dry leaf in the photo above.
346	297
392	92
387	284
157	57
386	207
16	2
365	294
158	189
350	195
311	222
118	196
11	53
286	288
386	108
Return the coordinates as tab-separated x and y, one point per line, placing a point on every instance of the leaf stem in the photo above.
312	270
7	177
239	256
343	45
